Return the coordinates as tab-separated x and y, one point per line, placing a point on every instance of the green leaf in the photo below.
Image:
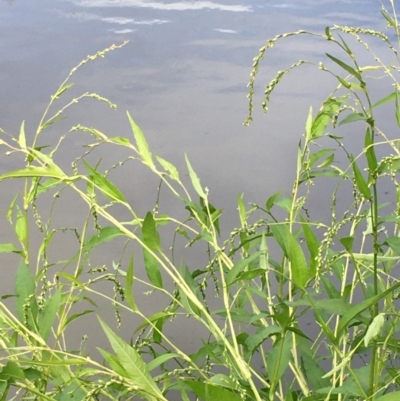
318	155
128	285
367	303
154	318
150	235
114	363
351	118
386	99
313	372
77	316
13	370
105	234
327	33
6	248
151	239
271	201
48	314
105	186
327	162
346	67
32	171
345	83
242	210
395	396
309	125
324	116
21	227
62	89
397	109
370	152
195	180
169	168
293	251
240	266
25	289
160	360
51	122
330	289
389	19
120	140
374	328
312	246
209	392
278	359
133	364
360	181
347	242
142	145
394	243
22	137
255	340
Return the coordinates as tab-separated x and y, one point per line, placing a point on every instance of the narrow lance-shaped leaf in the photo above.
169	168
357	309
133	364
143	147
395	396
278	359
324	116
151	239
360	181
112	360
22	136
397	109
346	67
25	288
209	392
389	98
239	266
309	123
389	19
351	118
312	245
374	328
370	152
105	234
62	89
47	316
242	210
128	285
292	250
195	179
105	186
21	228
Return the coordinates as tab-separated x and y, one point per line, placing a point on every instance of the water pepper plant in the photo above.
289	307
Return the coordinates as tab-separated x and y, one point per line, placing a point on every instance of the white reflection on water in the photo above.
225	30
115	20
122	31
177	6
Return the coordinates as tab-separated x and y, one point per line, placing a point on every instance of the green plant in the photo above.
272	276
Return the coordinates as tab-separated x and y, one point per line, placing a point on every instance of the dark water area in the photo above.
183	78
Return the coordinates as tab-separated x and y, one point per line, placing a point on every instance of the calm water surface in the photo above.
182	76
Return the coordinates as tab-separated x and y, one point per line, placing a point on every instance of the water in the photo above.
182	76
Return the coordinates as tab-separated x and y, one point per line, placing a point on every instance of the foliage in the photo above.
305	309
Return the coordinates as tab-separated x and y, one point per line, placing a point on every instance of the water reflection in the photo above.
177	6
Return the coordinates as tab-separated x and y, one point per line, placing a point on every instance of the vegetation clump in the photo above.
288	308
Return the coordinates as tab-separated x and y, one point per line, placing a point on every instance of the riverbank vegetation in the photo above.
287	307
